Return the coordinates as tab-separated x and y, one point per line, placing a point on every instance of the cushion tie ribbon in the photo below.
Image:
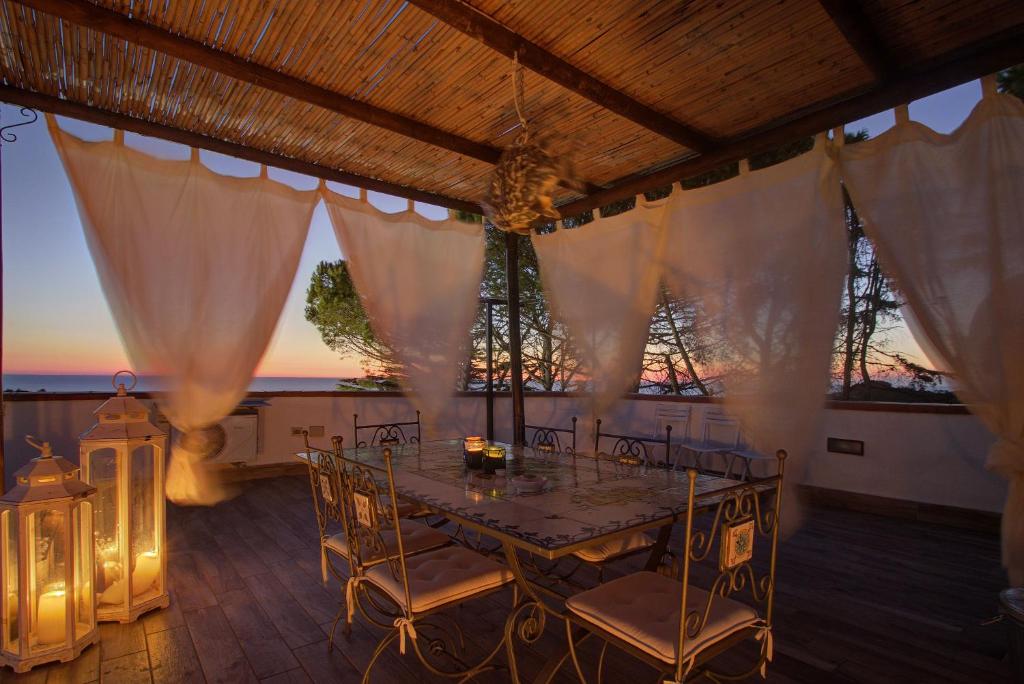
323	562
404	626
350	596
764	635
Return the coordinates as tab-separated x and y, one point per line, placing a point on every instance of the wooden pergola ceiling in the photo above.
414	99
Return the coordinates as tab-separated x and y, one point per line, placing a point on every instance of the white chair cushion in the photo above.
608	550
441	577
415	538
642	609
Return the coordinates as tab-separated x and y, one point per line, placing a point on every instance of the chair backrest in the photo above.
547	439
325	484
745	525
387	434
373	507
721	430
676	416
633	449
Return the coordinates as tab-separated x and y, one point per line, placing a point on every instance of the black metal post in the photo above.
515	341
490	371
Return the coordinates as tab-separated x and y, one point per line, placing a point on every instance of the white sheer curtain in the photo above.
947	216
196	267
765	255
601	281
419	282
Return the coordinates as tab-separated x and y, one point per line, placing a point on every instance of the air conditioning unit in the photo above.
241	439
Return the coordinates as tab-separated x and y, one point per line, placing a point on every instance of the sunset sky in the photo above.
56	319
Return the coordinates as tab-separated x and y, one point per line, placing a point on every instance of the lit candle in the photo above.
474	449
147	568
50	623
495	459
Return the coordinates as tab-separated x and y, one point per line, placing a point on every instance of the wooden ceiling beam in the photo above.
1000	51
103	117
482	28
855	25
115	24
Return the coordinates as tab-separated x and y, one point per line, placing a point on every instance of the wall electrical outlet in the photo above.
297	431
316	430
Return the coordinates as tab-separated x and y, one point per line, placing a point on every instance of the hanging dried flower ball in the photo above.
521	187
522	184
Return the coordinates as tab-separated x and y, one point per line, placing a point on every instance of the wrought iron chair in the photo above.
405	593
747	456
678	628
629	450
677	417
634	449
331	518
547	439
387	434
327	505
720	435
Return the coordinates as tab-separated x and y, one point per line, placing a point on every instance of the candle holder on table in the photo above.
473	451
494	458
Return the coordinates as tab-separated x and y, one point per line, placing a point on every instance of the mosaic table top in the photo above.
582	497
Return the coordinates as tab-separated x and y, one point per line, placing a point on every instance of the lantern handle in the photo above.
44	447
113	380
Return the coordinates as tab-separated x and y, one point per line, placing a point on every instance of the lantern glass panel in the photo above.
48	579
84	596
145	545
9	532
109	564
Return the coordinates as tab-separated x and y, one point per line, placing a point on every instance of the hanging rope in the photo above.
518	89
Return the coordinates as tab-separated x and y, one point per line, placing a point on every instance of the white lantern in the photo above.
48	569
122	455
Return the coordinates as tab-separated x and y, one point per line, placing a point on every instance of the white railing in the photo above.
931	454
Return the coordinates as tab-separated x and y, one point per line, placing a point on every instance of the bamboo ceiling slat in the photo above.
214	111
685	56
922	30
435	105
723	67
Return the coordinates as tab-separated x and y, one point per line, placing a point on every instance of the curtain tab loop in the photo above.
410	206
194	157
902	115
989	86
839	136
118	137
263	171
744	167
362	196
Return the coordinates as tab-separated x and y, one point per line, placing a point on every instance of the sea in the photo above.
101	383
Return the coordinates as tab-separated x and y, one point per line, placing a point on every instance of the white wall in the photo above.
918	456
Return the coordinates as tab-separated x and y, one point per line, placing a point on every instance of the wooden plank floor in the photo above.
861	598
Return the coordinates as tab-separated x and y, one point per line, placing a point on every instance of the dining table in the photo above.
541	504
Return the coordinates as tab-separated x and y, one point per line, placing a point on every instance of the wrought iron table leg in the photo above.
659	548
528	619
